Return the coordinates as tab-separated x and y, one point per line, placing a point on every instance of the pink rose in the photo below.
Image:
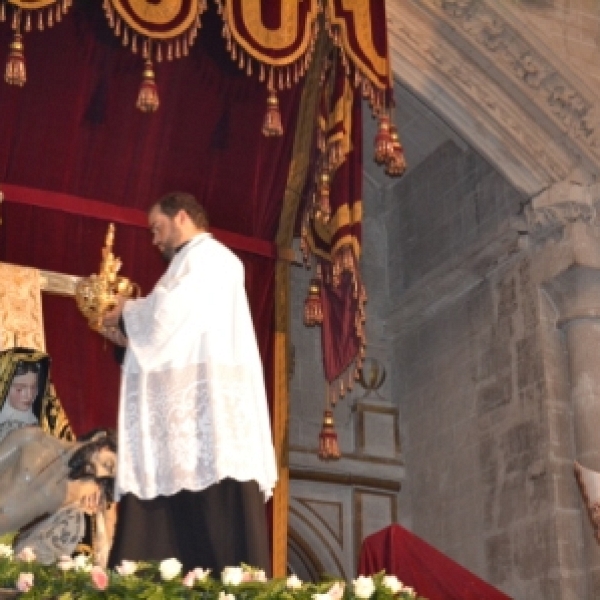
25	582
336	592
99	578
189	579
201	574
27	554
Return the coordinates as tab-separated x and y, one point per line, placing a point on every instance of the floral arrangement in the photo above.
77	579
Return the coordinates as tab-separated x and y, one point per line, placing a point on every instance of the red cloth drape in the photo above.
417	564
73	128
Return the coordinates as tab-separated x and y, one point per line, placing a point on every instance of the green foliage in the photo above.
78	582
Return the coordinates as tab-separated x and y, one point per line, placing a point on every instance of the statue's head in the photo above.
23	379
96	458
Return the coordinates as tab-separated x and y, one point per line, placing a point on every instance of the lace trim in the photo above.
190	427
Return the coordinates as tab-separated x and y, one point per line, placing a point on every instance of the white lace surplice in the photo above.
193	407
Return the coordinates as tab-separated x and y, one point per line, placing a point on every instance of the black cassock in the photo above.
221	526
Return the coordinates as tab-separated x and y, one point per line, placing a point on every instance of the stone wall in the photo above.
490	326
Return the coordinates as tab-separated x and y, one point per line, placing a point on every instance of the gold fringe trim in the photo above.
152	48
46	14
280	76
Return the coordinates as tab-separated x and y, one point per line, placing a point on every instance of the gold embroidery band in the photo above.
363	36
160	19
32	4
274	32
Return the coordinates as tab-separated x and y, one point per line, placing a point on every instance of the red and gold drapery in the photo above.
21	14
273	41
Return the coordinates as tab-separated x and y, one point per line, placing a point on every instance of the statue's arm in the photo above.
10	449
25	498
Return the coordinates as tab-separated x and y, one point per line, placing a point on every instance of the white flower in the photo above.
65	563
82	563
232	575
320	597
363	587
127	567
224	596
293	583
27	554
410	591
259	575
392	583
201	574
169	568
6	551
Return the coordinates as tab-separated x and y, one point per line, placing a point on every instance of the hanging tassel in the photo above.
272	124
383	140
313	309
329	448
148	97
15	65
396	164
323	189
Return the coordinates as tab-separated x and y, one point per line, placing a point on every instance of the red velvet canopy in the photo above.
74	129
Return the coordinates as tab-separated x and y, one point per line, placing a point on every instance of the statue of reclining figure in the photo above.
41	475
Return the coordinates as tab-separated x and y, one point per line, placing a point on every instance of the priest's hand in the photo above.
115	335
111	318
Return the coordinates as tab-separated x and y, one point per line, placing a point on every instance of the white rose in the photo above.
201	574
293	583
391	583
127	567
410	591
259	575
320	597
169	568
82	563
224	596
5	551
65	563
232	575
363	587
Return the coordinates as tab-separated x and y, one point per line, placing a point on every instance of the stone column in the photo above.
565	229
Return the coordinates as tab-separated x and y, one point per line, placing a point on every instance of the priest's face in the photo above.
166	233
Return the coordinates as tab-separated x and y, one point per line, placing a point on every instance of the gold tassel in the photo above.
272	124
396	164
383	140
148	97
15	65
313	309
329	448
323	189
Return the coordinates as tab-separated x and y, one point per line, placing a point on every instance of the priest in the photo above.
196	460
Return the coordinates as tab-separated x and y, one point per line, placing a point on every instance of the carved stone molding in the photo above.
501	90
572	108
563	204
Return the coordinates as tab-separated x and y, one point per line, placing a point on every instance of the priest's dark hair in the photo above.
170	204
